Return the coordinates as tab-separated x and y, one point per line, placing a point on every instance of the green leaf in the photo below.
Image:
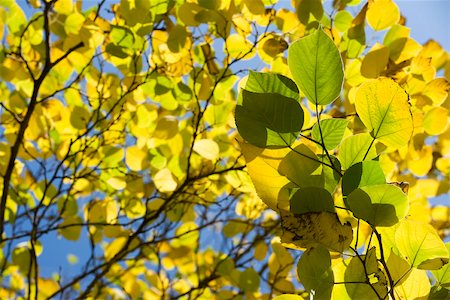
268	119
332	132
357	270
311	199
122	36
305	169
362	174
354	148
316	67
420	245
443	275
271	83
383	107
315	273
249	280
70	228
379	205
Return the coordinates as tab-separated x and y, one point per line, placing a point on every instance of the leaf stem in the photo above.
383	262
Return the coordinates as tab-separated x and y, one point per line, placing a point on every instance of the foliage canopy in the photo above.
136	140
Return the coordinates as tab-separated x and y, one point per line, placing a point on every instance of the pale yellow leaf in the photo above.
206	148
164	181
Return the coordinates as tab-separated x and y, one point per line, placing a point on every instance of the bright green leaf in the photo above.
420	245
443	274
362	174
379	205
316	67
331	130
271	83
356	148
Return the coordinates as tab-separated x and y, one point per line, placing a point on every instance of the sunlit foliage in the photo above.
221	149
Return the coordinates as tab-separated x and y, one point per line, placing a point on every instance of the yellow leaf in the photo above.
411	283
117	245
287	21
435	52
420	161
270	46
437	90
166	128
207	149
260	250
382	14
64	6
238	47
403	49
136	158
117	183
165	181
375	61
383	107
47	287
262	165
436	120
310	229
256	7
73	23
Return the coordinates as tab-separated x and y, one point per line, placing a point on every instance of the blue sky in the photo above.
428	19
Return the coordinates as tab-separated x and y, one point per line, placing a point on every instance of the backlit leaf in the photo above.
271	83
357	270
412	283
311	199
165	181
379	205
362	174
331	132
268	119
207	149
383	107
436	120
270	185
443	274
356	148
316	67
249	280
382	14
419	244
375	61
136	158
73	23
315	273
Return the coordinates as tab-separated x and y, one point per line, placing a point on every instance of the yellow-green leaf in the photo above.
383	107
356	148
420	245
